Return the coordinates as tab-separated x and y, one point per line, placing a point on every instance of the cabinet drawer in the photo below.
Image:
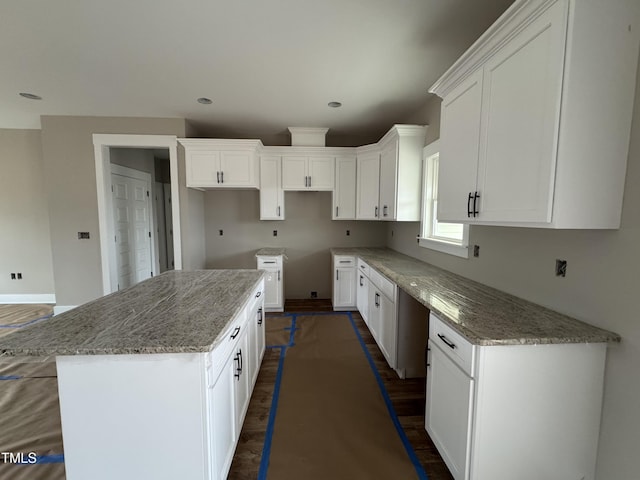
230	338
386	286
454	345
269	262
363	267
344	261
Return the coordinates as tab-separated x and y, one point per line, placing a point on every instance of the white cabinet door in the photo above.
362	297
242	387
222	418
294	173
271	193
260	336
321	172
237	169
367	186
344	195
273	289
388	330
344	293
203	168
449	411
388	180
459	148
521	111
374	312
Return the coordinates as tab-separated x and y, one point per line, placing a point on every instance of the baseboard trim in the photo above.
28	298
58	309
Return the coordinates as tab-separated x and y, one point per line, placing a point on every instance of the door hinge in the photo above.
115	239
149	234
152	274
147	193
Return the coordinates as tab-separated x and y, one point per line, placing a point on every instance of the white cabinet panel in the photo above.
388	330
362	296
388	180
237	169
368	186
460	144
521	109
344	195
271	193
449	411
273	282
203	168
222	421
307	173
241	378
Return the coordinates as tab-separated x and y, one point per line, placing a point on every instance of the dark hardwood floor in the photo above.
407	396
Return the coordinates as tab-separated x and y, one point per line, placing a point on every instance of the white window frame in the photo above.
430	153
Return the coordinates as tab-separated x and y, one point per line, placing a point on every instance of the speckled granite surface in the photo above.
483	315
272	252
176	312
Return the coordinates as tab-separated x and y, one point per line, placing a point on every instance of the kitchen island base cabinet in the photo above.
161	415
514	411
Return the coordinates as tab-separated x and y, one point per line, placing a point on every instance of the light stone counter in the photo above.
272	252
176	312
483	315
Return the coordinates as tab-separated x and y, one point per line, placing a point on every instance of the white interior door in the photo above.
132	222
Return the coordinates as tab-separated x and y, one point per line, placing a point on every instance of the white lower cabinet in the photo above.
273	282
344	282
362	296
178	405
503	412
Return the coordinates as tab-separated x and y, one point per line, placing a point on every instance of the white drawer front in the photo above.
230	338
454	345
363	267
269	262
344	261
386	286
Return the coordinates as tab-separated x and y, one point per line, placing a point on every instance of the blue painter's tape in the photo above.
58	458
20	325
266	449
422	475
10	377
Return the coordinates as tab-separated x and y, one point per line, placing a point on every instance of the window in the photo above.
452	238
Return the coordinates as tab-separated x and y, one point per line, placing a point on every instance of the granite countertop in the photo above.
272	252
175	312
483	315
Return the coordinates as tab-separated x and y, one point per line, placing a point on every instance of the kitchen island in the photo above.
154	380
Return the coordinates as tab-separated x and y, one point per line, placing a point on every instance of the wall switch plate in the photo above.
19	276
561	268
13	276
476	250
83	235
314	294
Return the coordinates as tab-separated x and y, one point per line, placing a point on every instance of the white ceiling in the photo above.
266	64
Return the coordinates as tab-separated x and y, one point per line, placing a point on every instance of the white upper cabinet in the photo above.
400	173
389	176
368	185
536	117
212	163
344	194
307	173
271	193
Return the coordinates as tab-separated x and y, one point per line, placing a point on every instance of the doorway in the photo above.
146	243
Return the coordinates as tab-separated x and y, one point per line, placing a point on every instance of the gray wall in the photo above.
601	288
70	184
307	233
25	244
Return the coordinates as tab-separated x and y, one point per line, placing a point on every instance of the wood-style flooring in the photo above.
408	397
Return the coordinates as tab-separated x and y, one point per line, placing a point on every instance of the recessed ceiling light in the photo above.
205	101
334	104
30	96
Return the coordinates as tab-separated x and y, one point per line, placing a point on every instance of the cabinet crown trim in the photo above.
509	24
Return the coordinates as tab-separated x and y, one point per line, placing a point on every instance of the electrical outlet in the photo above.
19	276
476	251
83	236
275	233
13	276
348	232
314	294
561	268
221	232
